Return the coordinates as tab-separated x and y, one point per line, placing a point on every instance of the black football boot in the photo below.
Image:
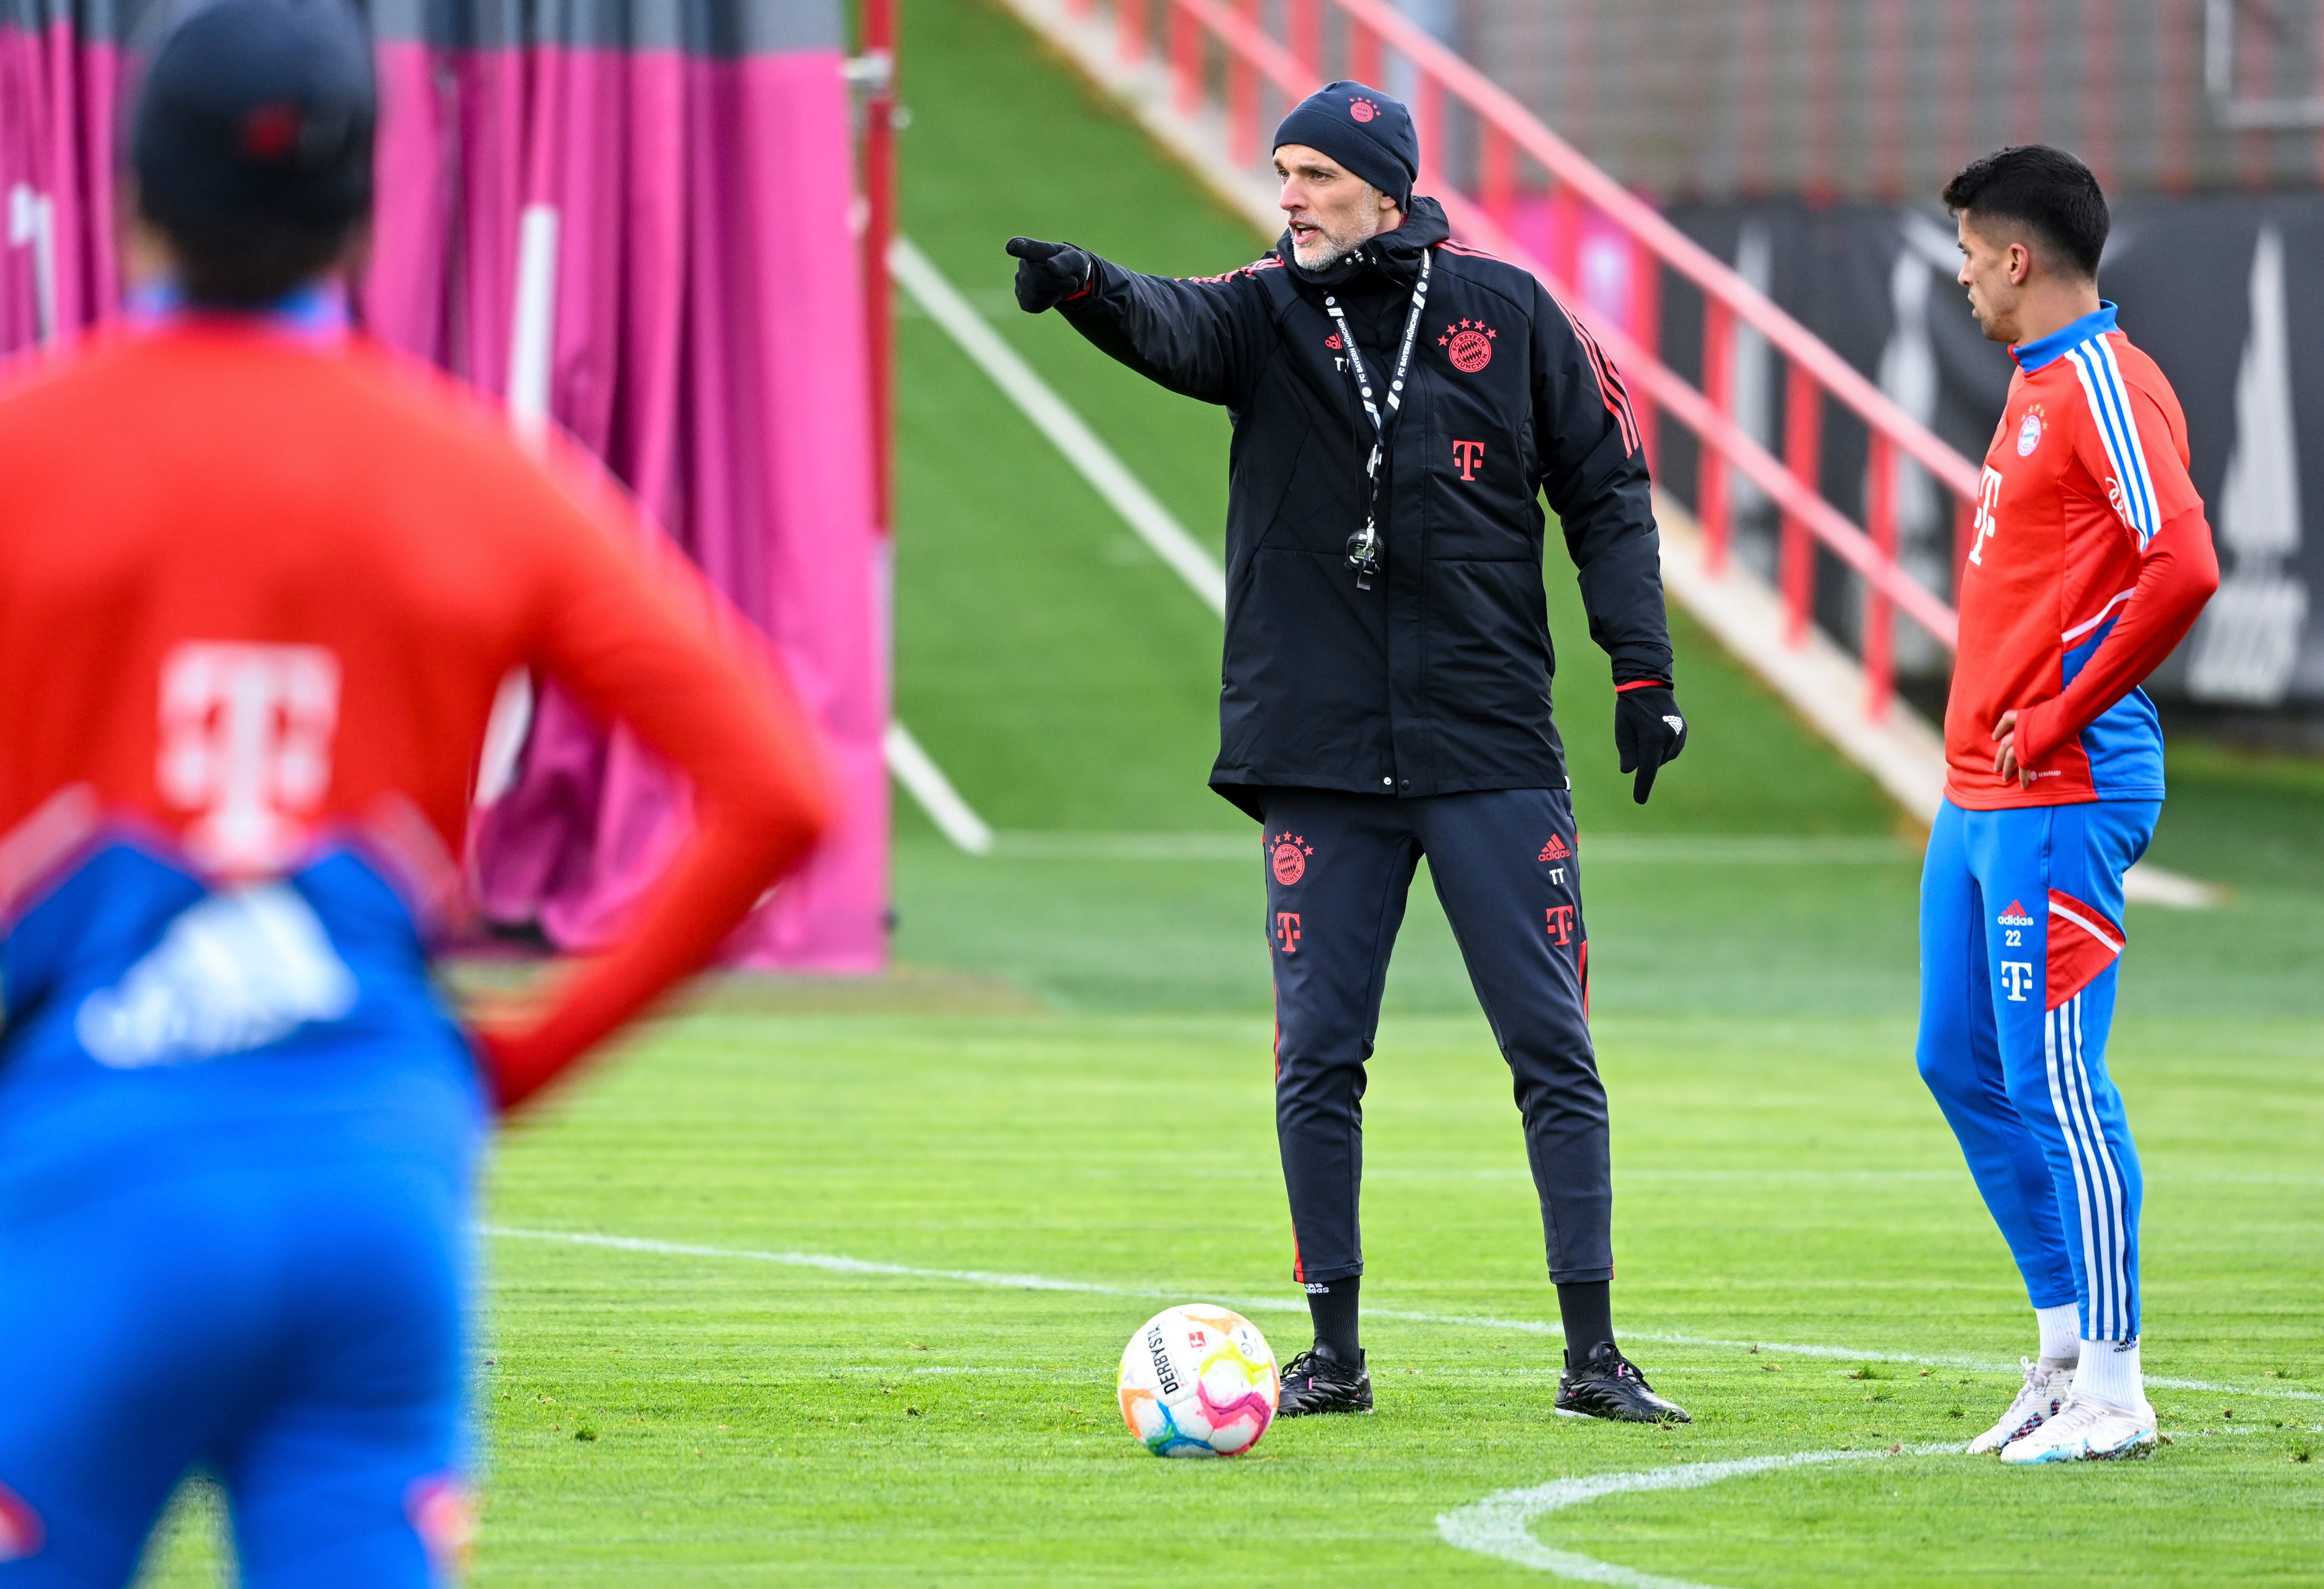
1608	1384
1315	1382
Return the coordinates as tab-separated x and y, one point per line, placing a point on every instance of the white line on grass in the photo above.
1720	849
1735	849
1054	419
835	1264
918	772
1499	1525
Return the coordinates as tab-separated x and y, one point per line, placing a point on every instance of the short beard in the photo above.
1331	249
1327	251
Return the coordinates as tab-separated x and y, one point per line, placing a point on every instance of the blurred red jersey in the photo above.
2091	561
257	591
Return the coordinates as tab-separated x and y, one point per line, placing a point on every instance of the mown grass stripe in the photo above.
836	1263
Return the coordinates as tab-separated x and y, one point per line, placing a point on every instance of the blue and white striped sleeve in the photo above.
2144	475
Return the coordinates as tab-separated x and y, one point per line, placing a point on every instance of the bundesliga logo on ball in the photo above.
1198	1381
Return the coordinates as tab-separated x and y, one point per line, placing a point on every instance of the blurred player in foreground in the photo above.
2091	562
258	583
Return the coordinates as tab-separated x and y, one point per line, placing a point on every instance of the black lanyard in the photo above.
1364	545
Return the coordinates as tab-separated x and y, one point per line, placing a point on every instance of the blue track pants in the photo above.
2020	934
296	1332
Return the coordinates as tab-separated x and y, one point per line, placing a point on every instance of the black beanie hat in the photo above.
258	110
1364	130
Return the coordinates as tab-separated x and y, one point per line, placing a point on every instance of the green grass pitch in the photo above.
822	1374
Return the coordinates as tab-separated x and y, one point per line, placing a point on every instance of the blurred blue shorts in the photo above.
294	1331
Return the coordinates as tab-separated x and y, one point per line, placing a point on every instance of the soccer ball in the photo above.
1198	1381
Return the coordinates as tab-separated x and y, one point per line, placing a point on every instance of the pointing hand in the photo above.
1048	274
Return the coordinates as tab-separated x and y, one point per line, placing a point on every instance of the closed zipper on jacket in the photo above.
1364	546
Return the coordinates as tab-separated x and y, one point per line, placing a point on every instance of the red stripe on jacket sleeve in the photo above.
1611	389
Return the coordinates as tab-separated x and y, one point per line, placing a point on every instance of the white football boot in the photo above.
2045	1390
2084	1430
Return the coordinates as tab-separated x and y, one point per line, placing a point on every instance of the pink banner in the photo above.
697	318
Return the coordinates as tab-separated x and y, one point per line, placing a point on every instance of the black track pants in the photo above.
1338	868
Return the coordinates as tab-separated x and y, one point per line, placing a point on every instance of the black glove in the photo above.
1048	274
1648	731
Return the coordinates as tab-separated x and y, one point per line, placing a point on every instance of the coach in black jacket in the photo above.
1400	403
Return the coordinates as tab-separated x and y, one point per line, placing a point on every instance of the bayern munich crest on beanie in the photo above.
257	109
1364	130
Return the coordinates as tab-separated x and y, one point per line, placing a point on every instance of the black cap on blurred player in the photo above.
252	141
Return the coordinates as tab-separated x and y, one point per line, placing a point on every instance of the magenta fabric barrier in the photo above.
24	173
690	179
714	356
791	273
57	250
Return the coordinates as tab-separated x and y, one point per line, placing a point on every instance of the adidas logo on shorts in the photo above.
1556	849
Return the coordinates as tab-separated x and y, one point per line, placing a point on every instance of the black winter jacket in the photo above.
1437	679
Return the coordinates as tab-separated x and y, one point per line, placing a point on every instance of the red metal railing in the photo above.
1219	51
879	180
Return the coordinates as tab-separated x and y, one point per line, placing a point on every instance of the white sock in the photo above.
2110	1373
2060	1327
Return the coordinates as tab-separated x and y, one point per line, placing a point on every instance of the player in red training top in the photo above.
2091	561
259	581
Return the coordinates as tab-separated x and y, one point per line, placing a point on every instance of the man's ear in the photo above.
2020	264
